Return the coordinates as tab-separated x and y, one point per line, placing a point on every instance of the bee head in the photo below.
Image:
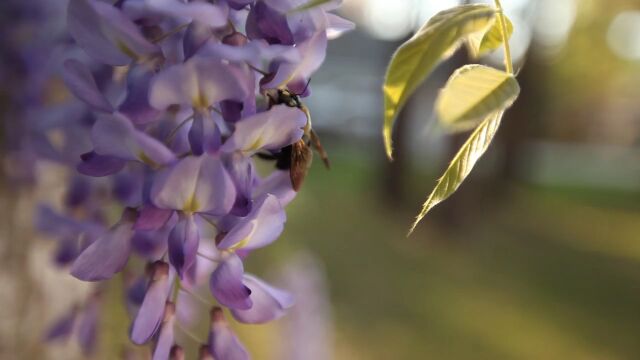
289	98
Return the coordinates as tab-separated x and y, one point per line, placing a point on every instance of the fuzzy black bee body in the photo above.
296	157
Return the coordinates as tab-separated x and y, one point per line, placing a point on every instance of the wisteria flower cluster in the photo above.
181	99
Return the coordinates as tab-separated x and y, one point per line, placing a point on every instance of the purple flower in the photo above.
81	83
268	302
108	254
197	83
115	136
165	338
205	13
195	186
223	343
151	312
175	103
62	328
105	33
269	130
88	325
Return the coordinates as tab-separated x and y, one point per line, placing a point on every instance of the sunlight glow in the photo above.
623	36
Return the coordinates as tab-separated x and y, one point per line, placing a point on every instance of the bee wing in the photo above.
315	142
301	156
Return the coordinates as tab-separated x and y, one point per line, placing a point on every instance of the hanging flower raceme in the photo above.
179	100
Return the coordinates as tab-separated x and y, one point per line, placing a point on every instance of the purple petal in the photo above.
152	218
135	293
136	105
226	284
62	327
305	24
313	52
116	136
150	245
99	165
204	135
106	256
81	83
195	184
269	303
239	4
152	151
223	343
165	336
255	52
78	191
67	251
209	14
196	35
264	22
128	187
266	221
242	172
183	244
231	110
337	26
277	183
105	33
52	223
151	311
83	23
88	326
123	32
270	130
198	83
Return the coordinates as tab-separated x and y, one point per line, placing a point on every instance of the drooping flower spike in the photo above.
176	102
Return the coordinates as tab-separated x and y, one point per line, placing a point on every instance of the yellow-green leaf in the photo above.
472	93
415	59
481	43
309	5
462	163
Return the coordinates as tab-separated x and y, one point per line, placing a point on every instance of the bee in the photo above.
296	157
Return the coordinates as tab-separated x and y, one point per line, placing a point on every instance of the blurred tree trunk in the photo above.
394	179
520	123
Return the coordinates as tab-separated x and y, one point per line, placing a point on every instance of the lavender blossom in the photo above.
176	102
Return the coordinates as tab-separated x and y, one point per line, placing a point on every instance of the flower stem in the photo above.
188	333
196	296
170	33
505	38
173	132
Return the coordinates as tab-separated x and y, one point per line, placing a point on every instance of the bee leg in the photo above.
315	142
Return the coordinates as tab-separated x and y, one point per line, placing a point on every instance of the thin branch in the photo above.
505	38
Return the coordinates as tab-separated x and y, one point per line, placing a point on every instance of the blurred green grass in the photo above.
544	275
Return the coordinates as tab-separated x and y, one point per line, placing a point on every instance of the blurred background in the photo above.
537	256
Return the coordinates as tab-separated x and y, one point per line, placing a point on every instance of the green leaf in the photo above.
415	59
472	93
462	163
311	4
482	43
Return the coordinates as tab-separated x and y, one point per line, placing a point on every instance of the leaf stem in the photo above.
508	64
